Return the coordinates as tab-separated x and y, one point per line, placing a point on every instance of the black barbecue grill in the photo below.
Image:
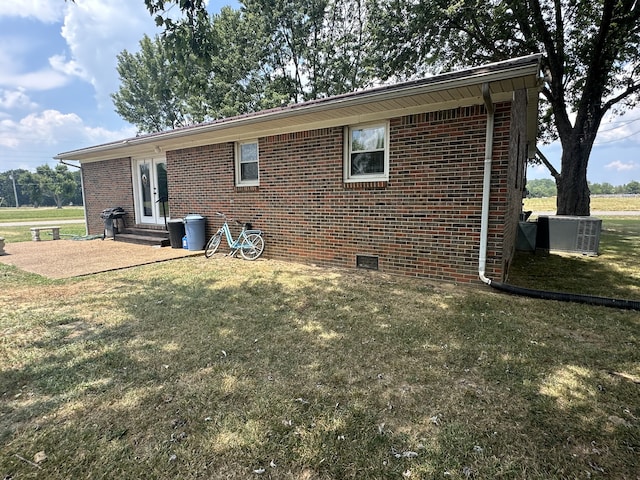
113	219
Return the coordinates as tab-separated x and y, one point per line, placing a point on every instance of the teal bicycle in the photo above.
250	243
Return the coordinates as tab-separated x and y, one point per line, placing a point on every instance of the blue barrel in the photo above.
194	227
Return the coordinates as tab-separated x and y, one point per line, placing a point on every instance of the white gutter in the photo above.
486	183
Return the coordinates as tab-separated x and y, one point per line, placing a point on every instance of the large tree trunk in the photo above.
573	189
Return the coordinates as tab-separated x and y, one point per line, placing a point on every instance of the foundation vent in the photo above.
368	262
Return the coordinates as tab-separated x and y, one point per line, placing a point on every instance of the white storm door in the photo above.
151	191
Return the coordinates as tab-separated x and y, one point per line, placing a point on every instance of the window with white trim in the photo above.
247	171
367	152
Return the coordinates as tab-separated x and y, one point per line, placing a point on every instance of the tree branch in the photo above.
547	163
559	29
475	33
628	92
598	65
554	68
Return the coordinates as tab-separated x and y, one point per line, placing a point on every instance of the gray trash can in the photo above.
176	232
194	226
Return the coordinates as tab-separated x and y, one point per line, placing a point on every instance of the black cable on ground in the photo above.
567	297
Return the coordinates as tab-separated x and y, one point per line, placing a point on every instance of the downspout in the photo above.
486	183
84	202
484	234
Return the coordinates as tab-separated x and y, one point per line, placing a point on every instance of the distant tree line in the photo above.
45	187
547	188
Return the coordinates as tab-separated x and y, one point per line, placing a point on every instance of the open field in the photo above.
49	214
23	234
610	203
221	368
24	214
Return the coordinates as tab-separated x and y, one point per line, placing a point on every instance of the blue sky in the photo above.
615	157
58	69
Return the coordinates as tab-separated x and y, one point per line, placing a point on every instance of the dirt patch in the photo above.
73	258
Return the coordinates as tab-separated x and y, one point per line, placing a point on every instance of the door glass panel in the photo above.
163	190
145	190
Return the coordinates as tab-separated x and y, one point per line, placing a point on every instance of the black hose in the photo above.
567	297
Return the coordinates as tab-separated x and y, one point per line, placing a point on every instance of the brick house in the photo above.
423	178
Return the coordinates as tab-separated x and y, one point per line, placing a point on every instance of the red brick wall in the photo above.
201	180
516	175
425	221
107	184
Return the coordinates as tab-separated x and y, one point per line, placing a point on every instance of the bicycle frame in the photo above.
249	243
240	243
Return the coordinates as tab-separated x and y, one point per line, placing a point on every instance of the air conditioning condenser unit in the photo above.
569	234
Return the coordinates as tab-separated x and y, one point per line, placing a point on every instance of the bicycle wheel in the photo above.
213	244
252	246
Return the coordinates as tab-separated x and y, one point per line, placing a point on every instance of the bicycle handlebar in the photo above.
225	217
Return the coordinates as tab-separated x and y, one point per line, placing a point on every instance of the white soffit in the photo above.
454	90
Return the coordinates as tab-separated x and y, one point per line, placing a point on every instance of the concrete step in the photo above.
144	236
148	232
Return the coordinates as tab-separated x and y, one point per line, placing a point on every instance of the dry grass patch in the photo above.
228	369
606	203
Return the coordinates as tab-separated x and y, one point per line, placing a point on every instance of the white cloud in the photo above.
95	32
80	40
44	79
14	72
52	127
15	99
47	11
619	166
44	128
68	67
36	138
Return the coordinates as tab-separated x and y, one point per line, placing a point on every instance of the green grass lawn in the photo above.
50	214
24	214
222	368
23	234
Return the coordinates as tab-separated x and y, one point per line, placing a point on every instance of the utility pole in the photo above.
15	192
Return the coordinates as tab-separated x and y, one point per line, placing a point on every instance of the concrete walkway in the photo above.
35	223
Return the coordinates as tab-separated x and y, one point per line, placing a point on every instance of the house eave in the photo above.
432	94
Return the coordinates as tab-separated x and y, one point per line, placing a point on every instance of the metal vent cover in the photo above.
588	238
369	262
